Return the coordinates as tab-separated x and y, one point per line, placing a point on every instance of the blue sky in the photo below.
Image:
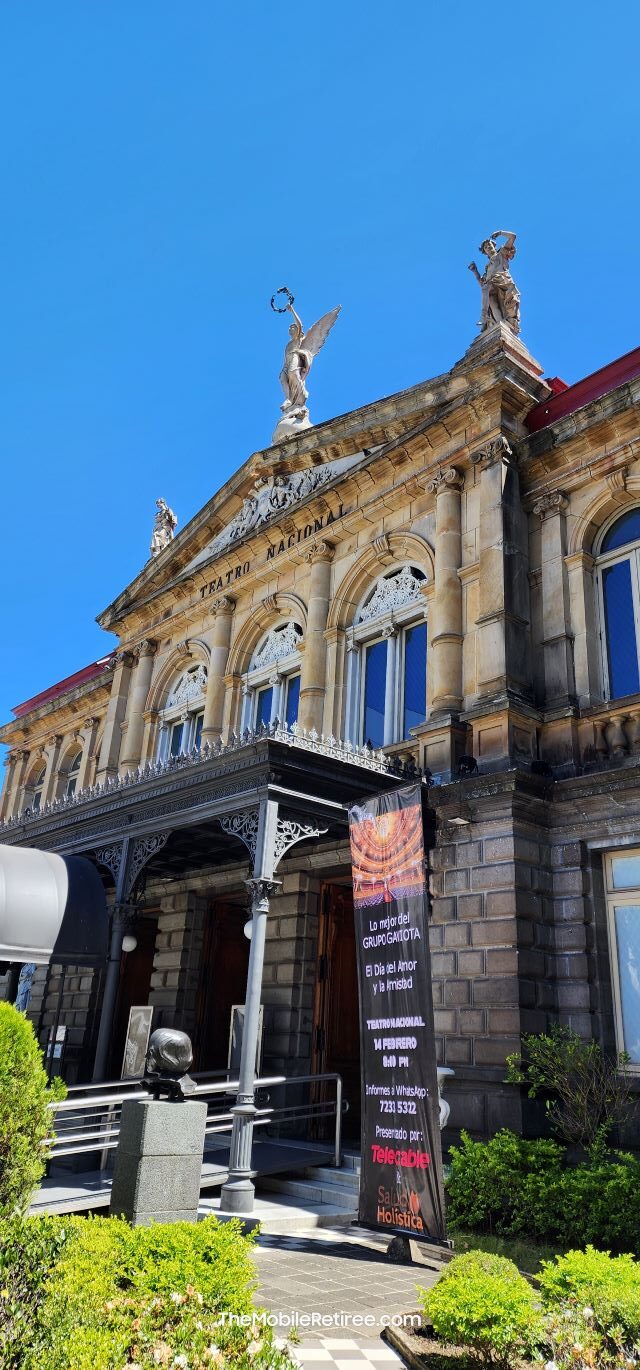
165	166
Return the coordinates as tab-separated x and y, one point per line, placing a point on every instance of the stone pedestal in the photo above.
158	1162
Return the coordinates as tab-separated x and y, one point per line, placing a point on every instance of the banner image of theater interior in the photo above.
401	1187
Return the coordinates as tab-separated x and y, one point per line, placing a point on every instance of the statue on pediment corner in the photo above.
500	296
164	525
298	357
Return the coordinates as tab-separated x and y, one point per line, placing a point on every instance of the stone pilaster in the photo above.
557	640
219	642
18	763
110	749
89	733
445	628
503	620
133	727
52	753
312	683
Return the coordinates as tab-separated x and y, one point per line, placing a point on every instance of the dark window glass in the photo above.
197	735
620	628
176	739
625	529
35	802
415	677
375	677
293	699
263	708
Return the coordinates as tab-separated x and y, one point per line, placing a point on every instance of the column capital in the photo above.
551	502
146	648
449	478
319	551
89	723
125	658
224	604
260	892
498	449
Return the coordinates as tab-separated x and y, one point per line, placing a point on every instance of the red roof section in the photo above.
583	392
69	683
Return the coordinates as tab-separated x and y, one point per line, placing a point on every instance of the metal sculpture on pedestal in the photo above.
169	1057
500	296
298	356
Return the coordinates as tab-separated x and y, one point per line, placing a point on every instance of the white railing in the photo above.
88	1120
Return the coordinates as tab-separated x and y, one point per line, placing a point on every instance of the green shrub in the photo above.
607	1286
484	1304
25	1117
29	1248
516	1188
122	1296
587	1093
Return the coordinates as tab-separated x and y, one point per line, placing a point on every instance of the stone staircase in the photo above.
317	1196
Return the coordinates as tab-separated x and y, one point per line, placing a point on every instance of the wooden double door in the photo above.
223	982
336	1036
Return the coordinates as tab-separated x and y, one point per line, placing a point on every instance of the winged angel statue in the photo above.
299	354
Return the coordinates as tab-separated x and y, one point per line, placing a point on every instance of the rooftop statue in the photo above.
164	523
298	356
500	296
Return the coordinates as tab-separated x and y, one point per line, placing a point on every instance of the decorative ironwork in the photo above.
279	643
110	857
191	685
142	851
289	832
243	825
392	592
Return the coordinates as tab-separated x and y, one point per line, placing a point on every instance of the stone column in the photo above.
110	749
390	691
313	674
503	620
557	641
445	627
219	642
18	763
52	752
580	568
10	761
89	734
133	726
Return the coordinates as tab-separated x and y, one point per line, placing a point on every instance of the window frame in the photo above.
392	624
630	551
70	774
187	714
615	899
277	674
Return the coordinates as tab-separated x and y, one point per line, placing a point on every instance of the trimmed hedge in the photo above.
483	1303
100	1295
520	1188
25	1117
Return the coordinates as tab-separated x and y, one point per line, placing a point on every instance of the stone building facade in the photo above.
451	572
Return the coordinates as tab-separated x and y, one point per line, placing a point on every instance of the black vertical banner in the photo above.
401	1187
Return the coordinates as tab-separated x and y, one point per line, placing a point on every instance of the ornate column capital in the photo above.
125	658
146	648
497	449
89	723
183	648
319	551
260	892
551	502
448	479
225	604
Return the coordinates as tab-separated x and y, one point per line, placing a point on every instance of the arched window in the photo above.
618	572
72	776
387	661
183	714
33	792
272	683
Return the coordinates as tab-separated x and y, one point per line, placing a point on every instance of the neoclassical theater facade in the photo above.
451	572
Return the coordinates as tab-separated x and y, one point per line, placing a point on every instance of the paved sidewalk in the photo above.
339	1274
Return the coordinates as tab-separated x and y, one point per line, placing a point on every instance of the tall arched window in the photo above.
272	683
73	770
183	714
387	660
33	792
618	571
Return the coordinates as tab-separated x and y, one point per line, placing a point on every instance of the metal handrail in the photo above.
89	1122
